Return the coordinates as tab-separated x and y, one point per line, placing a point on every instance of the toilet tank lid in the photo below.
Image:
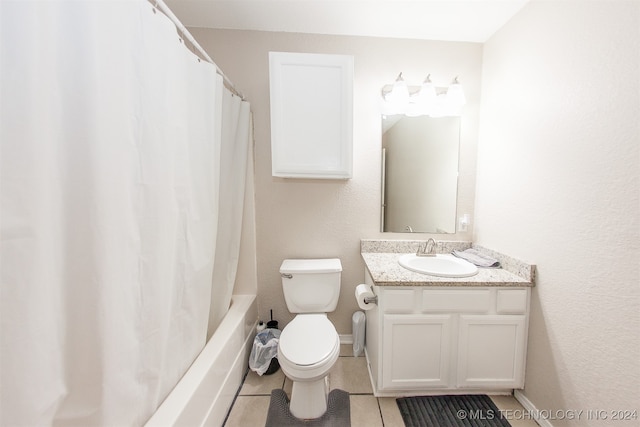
301	266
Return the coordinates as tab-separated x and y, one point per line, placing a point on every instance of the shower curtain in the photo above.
235	145
112	149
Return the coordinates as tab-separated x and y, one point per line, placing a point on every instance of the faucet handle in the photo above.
433	249
427	248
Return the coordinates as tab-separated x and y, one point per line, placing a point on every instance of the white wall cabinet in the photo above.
311	115
427	339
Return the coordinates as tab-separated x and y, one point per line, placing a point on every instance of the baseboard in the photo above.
346	339
530	408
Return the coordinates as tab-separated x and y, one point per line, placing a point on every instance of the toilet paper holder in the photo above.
371	300
366	297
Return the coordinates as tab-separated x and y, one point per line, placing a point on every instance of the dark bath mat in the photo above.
450	411
338	411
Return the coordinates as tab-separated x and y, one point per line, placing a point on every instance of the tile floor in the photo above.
349	374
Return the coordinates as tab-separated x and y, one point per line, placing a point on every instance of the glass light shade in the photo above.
397	100
427	95
455	95
399	93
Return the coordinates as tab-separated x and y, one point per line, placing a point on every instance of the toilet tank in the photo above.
311	285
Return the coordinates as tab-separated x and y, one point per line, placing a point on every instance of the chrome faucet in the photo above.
427	248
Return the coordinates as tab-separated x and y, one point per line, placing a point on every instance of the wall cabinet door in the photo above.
416	351
491	351
311	115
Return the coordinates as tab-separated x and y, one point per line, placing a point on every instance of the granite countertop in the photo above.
381	260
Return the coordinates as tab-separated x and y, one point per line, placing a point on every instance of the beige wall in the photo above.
317	218
558	174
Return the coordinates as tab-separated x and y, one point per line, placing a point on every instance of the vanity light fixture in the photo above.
424	100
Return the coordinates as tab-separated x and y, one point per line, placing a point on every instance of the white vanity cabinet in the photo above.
427	339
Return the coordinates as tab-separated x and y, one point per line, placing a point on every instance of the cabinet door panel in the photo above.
311	100
491	351
416	353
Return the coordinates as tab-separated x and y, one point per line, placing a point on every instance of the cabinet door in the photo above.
311	115
416	351
491	351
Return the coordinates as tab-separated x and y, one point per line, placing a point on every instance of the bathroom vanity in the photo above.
431	334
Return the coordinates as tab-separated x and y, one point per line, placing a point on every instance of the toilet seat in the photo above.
308	341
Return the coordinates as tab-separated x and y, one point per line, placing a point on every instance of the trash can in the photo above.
264	354
358	330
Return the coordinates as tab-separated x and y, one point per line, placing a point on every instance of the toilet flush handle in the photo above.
287	275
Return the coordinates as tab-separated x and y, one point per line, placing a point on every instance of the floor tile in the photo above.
351	374
390	412
346	350
513	411
255	384
365	411
248	411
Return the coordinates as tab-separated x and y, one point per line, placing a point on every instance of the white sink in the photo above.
442	265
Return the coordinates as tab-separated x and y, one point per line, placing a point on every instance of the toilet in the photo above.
309	345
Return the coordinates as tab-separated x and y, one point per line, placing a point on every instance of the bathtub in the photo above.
206	391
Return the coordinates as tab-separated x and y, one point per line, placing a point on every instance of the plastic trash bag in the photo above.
265	348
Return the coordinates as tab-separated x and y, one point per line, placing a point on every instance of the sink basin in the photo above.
442	265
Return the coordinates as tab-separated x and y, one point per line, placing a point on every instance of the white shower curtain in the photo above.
111	134
233	169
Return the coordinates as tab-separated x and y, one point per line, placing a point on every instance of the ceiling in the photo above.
454	20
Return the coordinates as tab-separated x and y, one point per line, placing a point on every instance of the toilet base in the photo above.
309	398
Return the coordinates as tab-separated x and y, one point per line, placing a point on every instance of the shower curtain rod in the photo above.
187	35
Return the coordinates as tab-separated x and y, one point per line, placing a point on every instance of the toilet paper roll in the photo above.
362	292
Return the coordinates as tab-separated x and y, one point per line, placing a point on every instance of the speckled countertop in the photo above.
381	259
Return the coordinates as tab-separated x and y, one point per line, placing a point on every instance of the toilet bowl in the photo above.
307	350
309	345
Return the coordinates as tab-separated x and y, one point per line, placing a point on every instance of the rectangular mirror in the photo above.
420	173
